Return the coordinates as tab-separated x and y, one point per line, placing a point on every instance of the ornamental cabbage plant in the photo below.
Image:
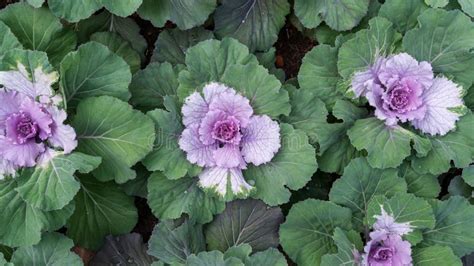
404	90
386	246
223	135
31	121
395	90
220	133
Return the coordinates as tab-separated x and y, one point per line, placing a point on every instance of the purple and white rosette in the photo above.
404	90
223	135
32	125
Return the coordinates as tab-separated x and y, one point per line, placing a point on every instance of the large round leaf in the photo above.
270	256
19	217
123	8
457	187
238	256
120	46
255	23
111	129
437	3
93	70
212	258
73	11
308	112
346	242
55	220
52	186
166	155
172	44
173	243
101	209
454	223
366	46
335	148
386	146
307	233
456	146
421	185
468	175
170	199
38	29
319	75
123	250
435	255
150	85
245	222
3	261
445	39
53	249
185	14
467	6
8	40
262	89
403	14
208	60
360	183
339	15
127	28
35	3
291	168
22	224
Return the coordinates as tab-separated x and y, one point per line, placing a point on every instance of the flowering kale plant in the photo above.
32	125
223	135
402	89
237	132
386	246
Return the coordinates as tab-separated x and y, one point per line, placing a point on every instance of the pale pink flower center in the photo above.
21	128
225	131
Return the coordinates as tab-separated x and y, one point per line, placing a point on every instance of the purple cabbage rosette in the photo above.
401	89
221	136
416	98
32	124
386	246
397	92
32	118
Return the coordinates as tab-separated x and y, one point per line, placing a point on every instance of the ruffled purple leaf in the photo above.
387	250
362	81
261	140
440	100
20	81
386	223
196	152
